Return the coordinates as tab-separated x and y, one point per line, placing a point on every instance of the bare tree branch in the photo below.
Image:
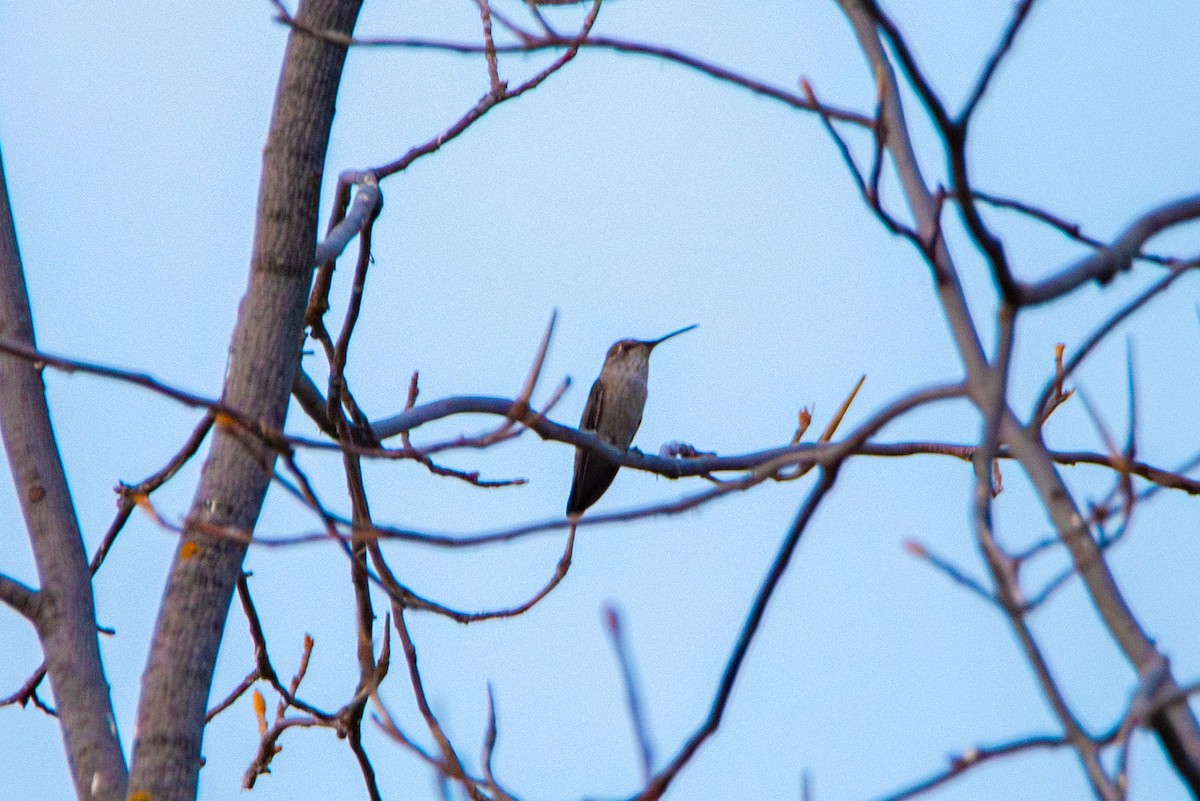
1118	257
1070	229
1043	405
1177	727
367	204
633	696
1020	13
490	100
20	598
283	298
662	780
974	757
65	610
531	42
923	203
954	135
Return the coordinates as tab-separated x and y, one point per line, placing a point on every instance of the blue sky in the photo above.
634	197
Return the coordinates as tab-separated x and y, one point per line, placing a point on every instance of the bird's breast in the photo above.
623	410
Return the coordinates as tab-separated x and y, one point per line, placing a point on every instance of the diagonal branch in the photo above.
1176	725
658	786
828	476
924	204
1043	406
974	757
633	698
1020	13
65	610
490	100
954	137
1104	266
19	597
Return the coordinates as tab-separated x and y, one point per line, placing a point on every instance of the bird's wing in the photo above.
594	409
583	492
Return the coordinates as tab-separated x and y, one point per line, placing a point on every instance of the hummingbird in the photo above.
614	411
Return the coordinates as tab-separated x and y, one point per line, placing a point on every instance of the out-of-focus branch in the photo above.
20	598
1072	230
974	757
489	748
868	190
828	476
1044	404
1117	257
954	136
662	780
923	203
633	697
956	574
1020	13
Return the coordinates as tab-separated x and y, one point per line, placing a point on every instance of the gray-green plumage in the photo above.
614	411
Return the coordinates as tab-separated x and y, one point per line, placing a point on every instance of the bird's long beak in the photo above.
654	342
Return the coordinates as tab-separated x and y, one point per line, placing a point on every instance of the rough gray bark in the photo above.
62	609
264	355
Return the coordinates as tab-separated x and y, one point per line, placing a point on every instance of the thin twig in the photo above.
1043	405
1020	13
974	757
633	698
551	41
659	784
955	573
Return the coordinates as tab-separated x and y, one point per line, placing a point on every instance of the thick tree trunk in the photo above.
264	355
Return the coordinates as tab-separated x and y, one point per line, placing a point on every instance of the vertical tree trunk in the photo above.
264	355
